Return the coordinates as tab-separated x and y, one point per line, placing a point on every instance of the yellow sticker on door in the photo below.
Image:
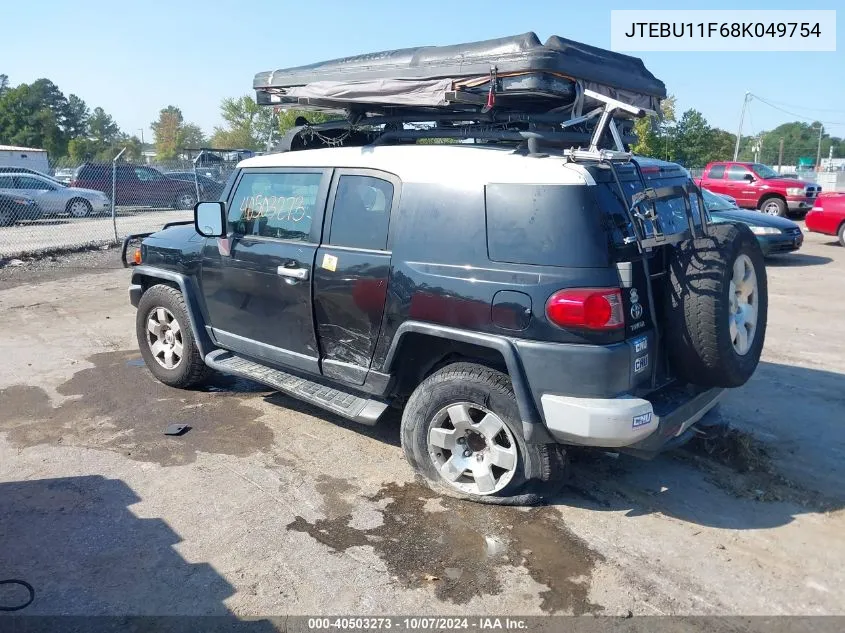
330	262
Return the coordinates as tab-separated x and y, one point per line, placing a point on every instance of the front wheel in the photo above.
841	234
186	201
774	206
166	340
79	208
462	433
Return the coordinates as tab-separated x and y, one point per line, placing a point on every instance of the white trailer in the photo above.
31	157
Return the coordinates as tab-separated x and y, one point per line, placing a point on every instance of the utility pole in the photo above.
780	155
819	151
141	130
741	119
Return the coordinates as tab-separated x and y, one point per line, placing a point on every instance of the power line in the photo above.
802	107
811	119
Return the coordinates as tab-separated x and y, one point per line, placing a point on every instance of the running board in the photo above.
350	406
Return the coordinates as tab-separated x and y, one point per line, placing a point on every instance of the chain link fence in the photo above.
73	206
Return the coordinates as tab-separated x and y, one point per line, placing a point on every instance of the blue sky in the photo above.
134	58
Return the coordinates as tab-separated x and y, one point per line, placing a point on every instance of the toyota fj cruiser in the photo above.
514	294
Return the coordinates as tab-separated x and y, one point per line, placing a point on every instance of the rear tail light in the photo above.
591	308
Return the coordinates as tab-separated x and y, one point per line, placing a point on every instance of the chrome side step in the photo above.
356	408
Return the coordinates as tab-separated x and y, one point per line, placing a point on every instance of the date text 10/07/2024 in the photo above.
723	29
418	623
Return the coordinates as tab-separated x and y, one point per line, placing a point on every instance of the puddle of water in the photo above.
459	550
119	406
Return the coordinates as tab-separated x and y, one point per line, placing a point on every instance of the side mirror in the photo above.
749	177
210	219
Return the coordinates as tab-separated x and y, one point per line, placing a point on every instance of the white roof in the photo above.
15	148
453	164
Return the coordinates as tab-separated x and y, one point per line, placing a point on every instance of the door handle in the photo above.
294	273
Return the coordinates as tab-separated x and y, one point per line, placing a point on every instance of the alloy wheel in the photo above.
472	449
164	336
743	305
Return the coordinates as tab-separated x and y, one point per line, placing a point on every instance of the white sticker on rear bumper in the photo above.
641	420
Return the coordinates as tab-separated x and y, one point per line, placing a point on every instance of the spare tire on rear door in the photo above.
716	307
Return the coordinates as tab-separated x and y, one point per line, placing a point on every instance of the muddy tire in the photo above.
462	433
717	307
166	340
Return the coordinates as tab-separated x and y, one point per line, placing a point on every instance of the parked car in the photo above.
774	234
828	216
64	175
54	198
136	185
756	186
507	338
27	170
210	189
15	207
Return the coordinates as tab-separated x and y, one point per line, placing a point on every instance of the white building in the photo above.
12	156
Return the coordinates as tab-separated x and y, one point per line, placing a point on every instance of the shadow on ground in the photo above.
790	438
85	553
796	260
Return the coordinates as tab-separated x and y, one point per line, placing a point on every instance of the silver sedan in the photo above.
54	198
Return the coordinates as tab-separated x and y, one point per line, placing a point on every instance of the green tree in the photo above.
247	125
102	129
4	83
168	133
693	139
721	145
39	115
192	136
653	134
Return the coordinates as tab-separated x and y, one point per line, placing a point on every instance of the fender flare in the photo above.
188	289
533	429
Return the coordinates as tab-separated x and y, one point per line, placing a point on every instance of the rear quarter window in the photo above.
545	225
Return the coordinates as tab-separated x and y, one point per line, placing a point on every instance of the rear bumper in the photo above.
817	222
645	425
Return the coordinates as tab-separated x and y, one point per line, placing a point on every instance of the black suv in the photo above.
511	302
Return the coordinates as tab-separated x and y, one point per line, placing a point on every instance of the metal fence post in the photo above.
114	193
196	176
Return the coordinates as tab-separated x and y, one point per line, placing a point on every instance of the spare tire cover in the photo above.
716	307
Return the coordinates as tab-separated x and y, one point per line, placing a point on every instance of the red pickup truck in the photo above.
756	186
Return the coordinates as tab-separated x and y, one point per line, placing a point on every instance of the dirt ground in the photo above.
268	506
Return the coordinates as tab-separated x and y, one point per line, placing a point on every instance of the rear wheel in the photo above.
166	340
462	433
7	217
841	234
79	208
774	206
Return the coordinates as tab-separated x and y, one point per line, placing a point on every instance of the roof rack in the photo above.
533	132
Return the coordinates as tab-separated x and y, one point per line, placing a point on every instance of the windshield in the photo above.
764	171
716	203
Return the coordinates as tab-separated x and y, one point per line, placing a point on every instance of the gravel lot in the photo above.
68	233
269	506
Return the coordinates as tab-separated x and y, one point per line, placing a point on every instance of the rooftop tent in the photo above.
525	74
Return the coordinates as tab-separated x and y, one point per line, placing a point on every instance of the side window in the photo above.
737	172
361	213
24	182
147	175
717	172
275	205
9	182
